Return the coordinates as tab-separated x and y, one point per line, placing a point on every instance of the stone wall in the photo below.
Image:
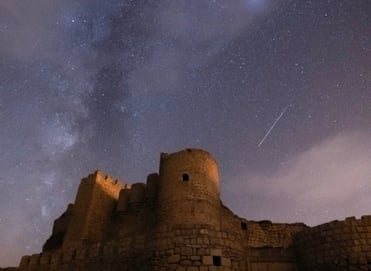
197	248
271	259
128	254
189	188
269	245
95	202
266	245
176	222
260	234
179	248
274	235
60	227
337	245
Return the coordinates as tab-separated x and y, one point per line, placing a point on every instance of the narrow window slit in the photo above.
243	226
185	177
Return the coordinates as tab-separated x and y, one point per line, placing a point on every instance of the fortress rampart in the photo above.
337	245
177	222
94	203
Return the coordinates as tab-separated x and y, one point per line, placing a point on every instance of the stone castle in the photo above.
177	222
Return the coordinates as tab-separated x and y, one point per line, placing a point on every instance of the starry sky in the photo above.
278	91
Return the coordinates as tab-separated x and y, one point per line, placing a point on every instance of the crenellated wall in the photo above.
95	201
337	245
176	222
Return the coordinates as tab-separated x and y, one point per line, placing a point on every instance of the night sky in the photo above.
279	92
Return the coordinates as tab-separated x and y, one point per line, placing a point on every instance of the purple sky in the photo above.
279	92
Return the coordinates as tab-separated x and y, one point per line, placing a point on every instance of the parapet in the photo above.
336	245
137	193
190	152
107	181
95	201
134	196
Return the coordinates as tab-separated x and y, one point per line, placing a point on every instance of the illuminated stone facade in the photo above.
176	222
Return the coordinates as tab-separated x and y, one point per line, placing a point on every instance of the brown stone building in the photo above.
176	221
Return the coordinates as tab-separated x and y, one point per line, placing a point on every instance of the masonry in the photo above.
177	222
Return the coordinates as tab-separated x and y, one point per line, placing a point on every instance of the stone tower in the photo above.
94	204
177	222
189	189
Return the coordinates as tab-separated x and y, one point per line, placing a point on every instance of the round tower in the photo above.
189	188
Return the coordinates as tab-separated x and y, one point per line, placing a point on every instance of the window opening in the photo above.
217	261
185	177
243	226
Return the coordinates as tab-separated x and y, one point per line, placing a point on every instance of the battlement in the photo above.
107	182
176	221
193	151
95	201
133	196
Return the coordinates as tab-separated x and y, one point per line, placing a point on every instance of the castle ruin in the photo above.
177	222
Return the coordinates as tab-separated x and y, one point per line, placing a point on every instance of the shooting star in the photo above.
272	127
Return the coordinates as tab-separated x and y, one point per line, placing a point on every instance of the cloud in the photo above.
331	180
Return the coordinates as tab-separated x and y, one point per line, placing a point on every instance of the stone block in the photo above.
226	262
186	262
207	260
186	251
216	252
173	259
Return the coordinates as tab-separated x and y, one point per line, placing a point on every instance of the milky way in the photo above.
111	84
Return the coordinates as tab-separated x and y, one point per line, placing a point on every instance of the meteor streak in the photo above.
272	127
